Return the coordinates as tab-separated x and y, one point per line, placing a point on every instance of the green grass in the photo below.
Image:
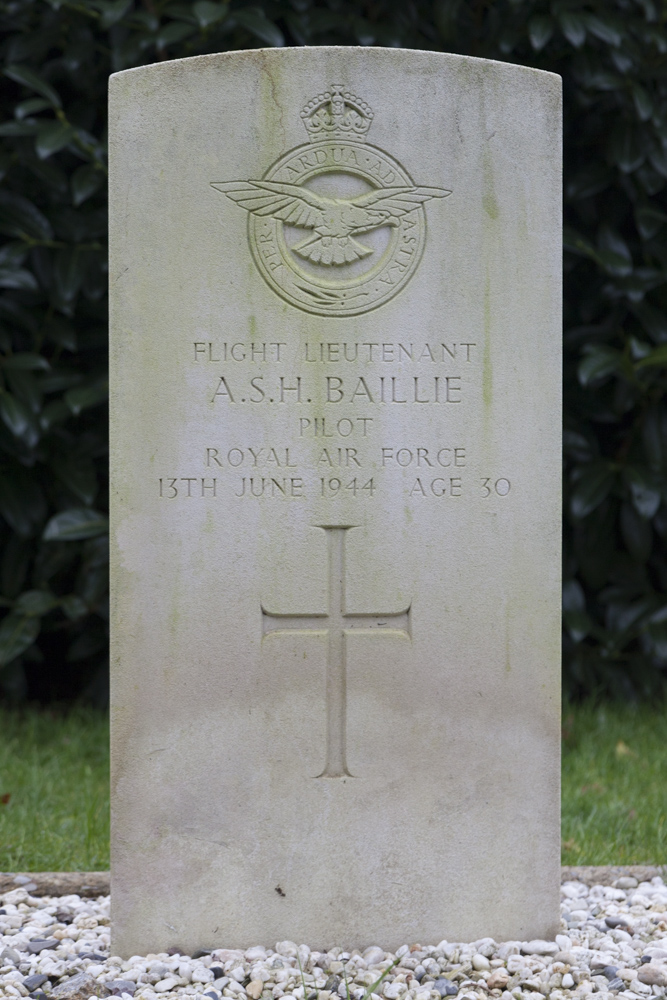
55	770
614	798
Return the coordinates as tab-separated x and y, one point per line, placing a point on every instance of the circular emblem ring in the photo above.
331	293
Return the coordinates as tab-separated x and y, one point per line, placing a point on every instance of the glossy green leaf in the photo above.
578	446
654	437
54	413
24	385
36	603
574	598
613	252
30	107
15	130
646	499
19	217
589	180
657	358
112	12
175	31
25	361
573	26
68	275
256	22
52	137
77	473
605	29
92	641
29	78
208	13
626	147
17	633
578	624
653	321
540	30
18	277
657	635
86	180
643	102
62	333
74	607
658	158
85	396
591	489
75	524
600	79
599	362
14	564
14	414
22	503
636	532
577	243
649	220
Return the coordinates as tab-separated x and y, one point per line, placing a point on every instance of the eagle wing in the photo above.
399	200
297	206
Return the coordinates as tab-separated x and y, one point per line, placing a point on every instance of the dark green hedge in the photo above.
56	57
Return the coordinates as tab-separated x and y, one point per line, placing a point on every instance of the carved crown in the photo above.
337	114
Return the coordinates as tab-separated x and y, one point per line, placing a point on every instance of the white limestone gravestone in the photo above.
335	290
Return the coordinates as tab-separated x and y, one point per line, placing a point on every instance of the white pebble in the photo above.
165	985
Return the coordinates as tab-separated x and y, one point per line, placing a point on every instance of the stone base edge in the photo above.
607	874
92	884
89	884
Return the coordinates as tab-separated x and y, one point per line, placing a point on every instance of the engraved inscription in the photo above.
331	271
336	624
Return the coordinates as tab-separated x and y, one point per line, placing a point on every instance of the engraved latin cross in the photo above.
337	623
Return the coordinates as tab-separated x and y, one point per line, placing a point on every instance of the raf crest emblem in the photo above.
363	215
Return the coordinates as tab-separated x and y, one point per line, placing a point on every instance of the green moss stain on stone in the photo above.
491	213
487	370
274	113
508	660
489	202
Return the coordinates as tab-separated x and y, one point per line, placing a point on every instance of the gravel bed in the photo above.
613	941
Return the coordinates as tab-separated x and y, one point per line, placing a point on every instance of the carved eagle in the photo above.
336	221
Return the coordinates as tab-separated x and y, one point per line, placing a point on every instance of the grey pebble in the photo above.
218	973
615	922
616	984
79	987
41	944
332	983
212	995
9	955
118	986
25	882
610	971
445	987
645	959
34	982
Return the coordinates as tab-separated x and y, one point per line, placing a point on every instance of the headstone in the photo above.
335	278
